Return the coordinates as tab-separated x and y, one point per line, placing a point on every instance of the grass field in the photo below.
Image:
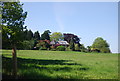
36	64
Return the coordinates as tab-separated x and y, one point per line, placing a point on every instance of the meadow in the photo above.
36	64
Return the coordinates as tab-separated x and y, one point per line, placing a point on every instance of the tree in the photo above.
100	44
29	35
25	34
5	40
37	35
56	36
13	18
46	35
67	37
72	46
77	47
82	48
43	45
27	45
88	48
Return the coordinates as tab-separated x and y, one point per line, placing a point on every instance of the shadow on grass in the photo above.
35	68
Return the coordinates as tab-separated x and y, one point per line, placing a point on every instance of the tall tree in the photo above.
13	18
29	35
72	45
25	34
101	45
56	36
46	35
37	35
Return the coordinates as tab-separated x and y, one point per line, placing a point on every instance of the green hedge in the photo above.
61	48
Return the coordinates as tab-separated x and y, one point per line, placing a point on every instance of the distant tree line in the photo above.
32	42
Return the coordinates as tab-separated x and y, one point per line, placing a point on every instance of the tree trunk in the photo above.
14	62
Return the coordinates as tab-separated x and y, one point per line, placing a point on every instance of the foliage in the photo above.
82	48
45	35
68	48
42	48
61	48
43	45
29	35
67	37
72	46
101	45
5	39
52	48
37	35
56	36
105	50
27	45
13	18
88	48
77	47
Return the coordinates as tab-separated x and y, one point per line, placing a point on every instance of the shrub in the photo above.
77	47
43	48
105	50
61	48
26	45
53	49
68	48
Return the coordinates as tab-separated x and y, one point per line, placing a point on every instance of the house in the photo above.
53	42
65	43
59	43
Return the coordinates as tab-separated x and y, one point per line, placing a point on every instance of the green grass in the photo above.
36	64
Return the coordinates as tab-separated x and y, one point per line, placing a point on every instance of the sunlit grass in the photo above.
36	64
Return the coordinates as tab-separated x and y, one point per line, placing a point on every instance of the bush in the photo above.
68	48
43	48
77	47
61	48
53	49
26	45
105	50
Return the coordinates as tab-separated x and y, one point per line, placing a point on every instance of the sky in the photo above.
87	20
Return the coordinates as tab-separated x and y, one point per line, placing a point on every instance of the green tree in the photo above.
46	35
13	18
25	34
77	47
88	48
26	45
61	48
72	45
56	36
101	44
5	40
37	35
28	35
82	48
43	45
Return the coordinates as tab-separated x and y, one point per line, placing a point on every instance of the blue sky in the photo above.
88	20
